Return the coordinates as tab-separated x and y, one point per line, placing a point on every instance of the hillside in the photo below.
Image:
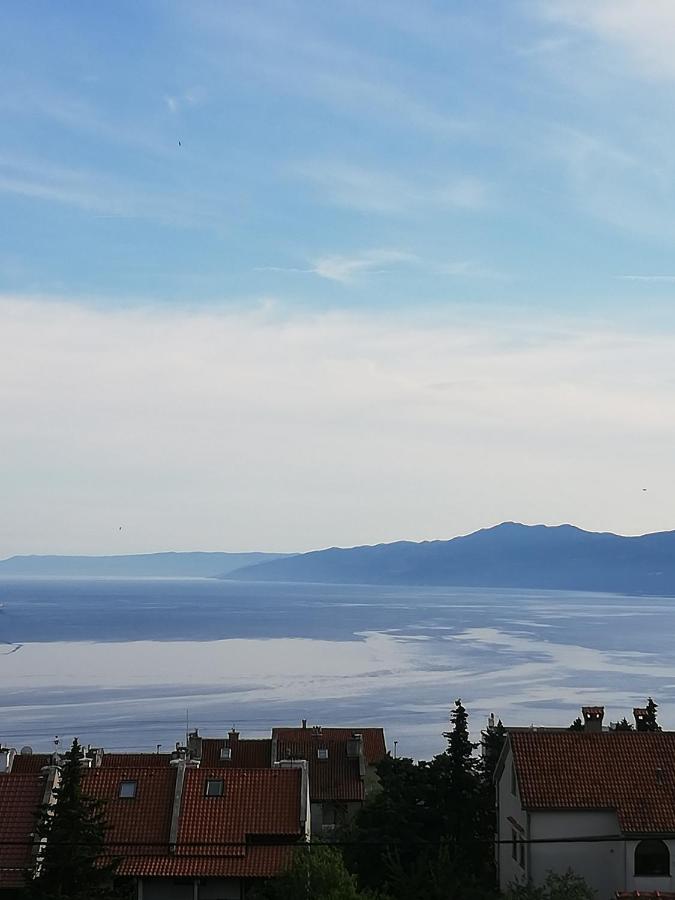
142	565
508	555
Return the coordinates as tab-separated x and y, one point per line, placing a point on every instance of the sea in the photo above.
135	663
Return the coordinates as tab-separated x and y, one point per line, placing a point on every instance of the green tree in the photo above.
493	739
577	725
462	799
73	831
650	723
623	725
568	886
316	873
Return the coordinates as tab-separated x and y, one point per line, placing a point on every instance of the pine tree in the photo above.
464	808
493	739
73	831
623	725
577	725
650	723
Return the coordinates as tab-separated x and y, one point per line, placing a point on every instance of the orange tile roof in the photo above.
140	825
630	772
246	753
255	802
258	862
374	746
214	833
20	798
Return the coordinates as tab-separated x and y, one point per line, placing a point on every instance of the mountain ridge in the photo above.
559	557
170	564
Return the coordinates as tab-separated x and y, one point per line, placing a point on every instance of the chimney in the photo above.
7	755
304	724
194	745
355	751
233	736
593	716
640	714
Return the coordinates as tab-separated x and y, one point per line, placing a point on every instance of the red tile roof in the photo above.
630	772
135	760
139	825
246	753
374	746
337	778
33	762
214	833
255	802
20	798
258	862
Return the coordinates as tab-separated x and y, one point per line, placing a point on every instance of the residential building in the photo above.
342	768
598	801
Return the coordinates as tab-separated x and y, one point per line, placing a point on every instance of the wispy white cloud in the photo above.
644	29
378	191
98	193
293	55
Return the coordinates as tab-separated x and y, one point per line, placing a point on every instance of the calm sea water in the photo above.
122	663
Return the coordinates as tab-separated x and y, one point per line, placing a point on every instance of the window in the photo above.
128	789
513	780
322	752
226	753
214	787
514	844
652	858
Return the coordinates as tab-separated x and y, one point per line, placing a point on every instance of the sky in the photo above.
285	275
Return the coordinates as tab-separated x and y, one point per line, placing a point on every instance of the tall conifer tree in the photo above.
73	831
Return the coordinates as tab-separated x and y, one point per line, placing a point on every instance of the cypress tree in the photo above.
650	721
73	831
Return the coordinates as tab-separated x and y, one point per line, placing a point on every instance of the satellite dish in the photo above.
26	751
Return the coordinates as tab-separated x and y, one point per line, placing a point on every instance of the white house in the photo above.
599	802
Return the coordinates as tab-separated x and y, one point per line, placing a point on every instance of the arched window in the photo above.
652	858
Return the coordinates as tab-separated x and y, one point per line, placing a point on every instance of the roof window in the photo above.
322	752
214	787
226	753
128	789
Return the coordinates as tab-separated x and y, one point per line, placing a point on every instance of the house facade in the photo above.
599	802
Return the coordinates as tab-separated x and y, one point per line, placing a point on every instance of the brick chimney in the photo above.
194	745
233	737
640	714
593	716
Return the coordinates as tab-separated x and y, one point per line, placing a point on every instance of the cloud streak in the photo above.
373	190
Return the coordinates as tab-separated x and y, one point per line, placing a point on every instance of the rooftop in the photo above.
630	772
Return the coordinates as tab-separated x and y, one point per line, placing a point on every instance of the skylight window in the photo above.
214	787
226	753
322	753
128	789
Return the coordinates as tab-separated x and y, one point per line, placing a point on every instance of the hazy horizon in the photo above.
294	275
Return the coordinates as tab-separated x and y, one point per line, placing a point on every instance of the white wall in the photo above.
646	883
509	806
601	863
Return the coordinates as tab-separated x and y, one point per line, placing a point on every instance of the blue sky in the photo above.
313	178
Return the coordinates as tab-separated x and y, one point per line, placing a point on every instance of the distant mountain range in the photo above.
509	555
142	565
